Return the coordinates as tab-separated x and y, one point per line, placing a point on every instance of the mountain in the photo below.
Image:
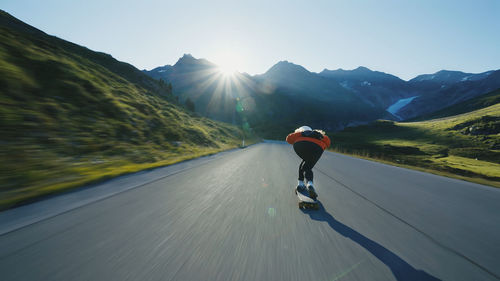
159	72
203	83
362	74
186	66
431	84
446	89
450	77
316	100
473	104
296	80
71	116
334	98
421	95
286	96
378	88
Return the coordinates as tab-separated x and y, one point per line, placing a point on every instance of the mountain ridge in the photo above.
450	76
292	83
359	69
375	91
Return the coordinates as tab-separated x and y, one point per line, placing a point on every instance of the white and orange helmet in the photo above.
303	129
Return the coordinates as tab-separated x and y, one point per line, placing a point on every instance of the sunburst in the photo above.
226	93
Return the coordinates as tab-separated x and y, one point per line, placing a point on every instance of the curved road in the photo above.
234	217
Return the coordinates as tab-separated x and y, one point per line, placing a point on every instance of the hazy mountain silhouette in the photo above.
378	88
450	77
332	99
203	83
446	88
296	80
287	94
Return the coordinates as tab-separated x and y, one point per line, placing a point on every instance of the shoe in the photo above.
301	187
312	191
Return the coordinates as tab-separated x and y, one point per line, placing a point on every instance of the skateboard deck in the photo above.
306	202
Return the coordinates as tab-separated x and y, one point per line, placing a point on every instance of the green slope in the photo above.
70	116
467	106
465	146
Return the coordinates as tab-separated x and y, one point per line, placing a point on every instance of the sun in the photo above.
226	70
228	62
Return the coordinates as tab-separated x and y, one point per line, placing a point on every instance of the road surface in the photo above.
235	217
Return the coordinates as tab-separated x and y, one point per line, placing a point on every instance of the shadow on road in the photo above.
400	268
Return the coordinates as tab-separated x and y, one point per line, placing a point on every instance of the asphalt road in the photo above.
235	217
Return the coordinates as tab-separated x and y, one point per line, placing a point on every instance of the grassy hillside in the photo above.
465	146
482	101
70	116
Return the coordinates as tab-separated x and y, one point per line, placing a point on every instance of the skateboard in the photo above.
306	202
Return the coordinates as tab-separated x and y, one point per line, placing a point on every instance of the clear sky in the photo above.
404	38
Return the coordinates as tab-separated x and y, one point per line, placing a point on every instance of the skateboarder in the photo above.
309	144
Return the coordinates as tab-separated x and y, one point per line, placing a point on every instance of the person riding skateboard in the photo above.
309	145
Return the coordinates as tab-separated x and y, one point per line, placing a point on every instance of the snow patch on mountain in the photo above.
394	108
346	85
427	78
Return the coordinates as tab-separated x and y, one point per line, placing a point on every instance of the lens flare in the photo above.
271	212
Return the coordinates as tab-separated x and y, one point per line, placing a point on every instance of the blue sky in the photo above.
404	38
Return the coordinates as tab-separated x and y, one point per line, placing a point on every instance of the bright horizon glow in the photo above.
229	62
403	38
224	86
227	71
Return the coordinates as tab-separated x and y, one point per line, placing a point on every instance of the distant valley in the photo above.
340	98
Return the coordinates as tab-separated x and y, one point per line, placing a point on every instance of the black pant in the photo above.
310	154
